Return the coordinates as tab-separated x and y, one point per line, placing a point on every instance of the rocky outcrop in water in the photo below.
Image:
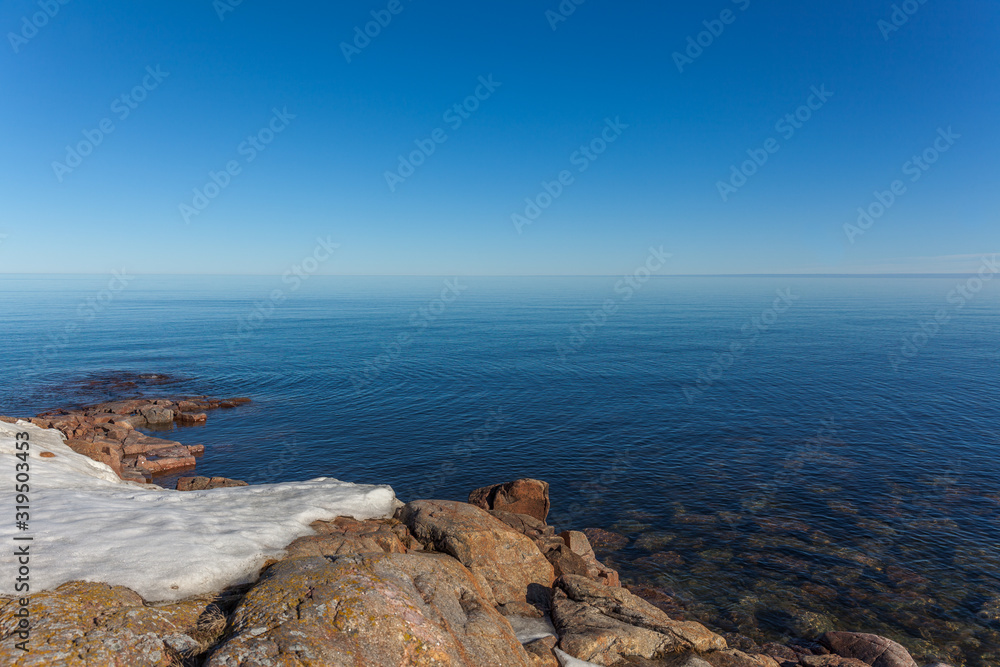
107	432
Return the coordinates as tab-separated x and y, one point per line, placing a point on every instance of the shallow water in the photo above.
825	476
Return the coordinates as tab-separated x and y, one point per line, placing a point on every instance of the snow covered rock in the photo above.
89	525
602	624
420	610
505	561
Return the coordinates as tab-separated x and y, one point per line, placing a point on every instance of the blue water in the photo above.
826	474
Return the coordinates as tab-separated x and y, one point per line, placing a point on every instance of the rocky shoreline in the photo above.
487	582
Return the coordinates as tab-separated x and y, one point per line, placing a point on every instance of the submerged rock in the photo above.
871	649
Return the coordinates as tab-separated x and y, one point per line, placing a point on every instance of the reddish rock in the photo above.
505	561
191	418
196	450
871	649
200	483
522	496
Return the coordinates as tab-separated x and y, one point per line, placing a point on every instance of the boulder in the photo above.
191	418
735	658
540	652
502	559
156	415
522	496
870	649
82	623
604	624
422	610
579	544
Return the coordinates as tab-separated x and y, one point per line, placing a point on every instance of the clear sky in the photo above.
189	88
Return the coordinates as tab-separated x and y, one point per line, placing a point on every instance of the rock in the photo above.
82	623
578	543
990	611
525	524
103	453
344	537
830	661
421	610
204	483
191	418
502	559
192	483
156	415
605	540
540	652
564	561
522	496
602	624
871	649
196	450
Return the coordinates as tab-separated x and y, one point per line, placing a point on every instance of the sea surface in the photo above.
781	455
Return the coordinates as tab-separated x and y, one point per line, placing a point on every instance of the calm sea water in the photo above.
781	455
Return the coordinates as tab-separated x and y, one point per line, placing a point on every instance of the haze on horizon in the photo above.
511	138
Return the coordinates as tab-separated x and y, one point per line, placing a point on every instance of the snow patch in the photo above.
90	525
566	660
529	629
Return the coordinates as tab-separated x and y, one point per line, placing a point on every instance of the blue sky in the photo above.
214	78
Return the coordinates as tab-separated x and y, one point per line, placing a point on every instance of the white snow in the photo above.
566	660
90	525
529	629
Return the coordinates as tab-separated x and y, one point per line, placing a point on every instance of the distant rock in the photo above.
605	540
522	496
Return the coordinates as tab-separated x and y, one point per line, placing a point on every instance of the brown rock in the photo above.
83	623
506	562
580	545
192	483
191	418
540	652
522	496
871	649
735	658
390	609
47	455
157	415
603	624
